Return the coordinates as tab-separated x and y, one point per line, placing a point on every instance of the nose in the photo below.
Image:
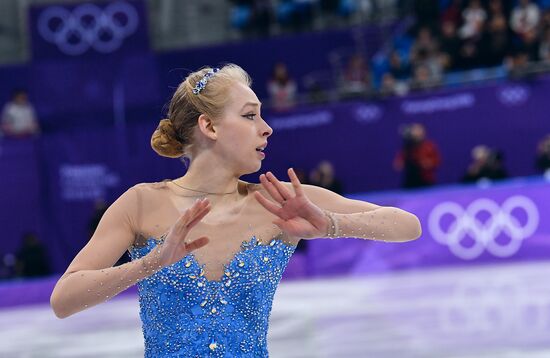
267	131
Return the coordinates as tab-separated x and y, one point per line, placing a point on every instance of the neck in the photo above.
211	180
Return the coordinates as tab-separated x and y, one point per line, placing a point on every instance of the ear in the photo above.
206	126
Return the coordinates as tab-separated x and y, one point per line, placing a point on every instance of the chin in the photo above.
252	170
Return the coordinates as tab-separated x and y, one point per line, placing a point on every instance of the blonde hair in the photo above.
173	137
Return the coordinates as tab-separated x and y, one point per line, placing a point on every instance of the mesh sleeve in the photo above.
91	278
382	224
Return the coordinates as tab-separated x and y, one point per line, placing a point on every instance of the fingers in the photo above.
280	187
197	244
271	189
295	182
269	205
275	188
192	215
201	213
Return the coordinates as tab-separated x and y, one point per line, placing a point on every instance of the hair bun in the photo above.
165	140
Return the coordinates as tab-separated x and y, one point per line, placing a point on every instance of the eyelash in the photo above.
250	114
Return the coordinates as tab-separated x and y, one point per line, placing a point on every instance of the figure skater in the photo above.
208	249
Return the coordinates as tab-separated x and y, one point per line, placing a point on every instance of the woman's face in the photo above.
241	130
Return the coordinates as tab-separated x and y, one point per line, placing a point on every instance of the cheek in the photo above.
237	145
239	140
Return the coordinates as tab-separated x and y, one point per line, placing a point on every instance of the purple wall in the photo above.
48	185
51	182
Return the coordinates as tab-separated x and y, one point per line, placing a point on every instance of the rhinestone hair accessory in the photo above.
202	83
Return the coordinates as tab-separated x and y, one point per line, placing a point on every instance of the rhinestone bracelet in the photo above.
333	229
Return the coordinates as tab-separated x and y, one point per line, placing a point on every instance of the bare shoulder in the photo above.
151	187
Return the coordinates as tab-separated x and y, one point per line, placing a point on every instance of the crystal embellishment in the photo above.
178	321
201	84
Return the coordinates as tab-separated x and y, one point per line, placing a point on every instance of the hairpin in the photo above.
202	83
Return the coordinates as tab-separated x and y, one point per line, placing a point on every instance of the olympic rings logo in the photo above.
368	113
87	26
513	95
501	221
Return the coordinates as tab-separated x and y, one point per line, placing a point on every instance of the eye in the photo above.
250	115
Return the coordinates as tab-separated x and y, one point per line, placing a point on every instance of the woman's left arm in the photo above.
314	212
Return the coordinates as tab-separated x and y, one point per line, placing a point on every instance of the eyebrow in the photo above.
255	104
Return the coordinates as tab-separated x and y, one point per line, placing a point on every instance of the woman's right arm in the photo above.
91	278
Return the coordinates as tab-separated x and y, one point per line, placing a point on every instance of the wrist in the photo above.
332	229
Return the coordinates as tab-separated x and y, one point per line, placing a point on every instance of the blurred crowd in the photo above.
449	42
419	158
33	259
255	18
30	260
461	35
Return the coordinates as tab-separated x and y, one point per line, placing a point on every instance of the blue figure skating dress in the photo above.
184	314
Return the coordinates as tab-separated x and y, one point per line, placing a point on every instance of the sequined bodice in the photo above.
186	315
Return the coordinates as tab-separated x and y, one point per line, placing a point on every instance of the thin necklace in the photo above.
204	192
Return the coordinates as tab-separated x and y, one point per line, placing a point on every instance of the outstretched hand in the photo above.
296	214
175	246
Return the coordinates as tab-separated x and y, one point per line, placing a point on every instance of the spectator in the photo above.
495	44
424	43
450	45
357	79
317	85
486	164
518	64
388	86
281	88
399	69
31	258
530	46
496	162
525	19
453	13
432	62
473	17
425	56
469	56
423	78
18	117
543	155
323	176
418	158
